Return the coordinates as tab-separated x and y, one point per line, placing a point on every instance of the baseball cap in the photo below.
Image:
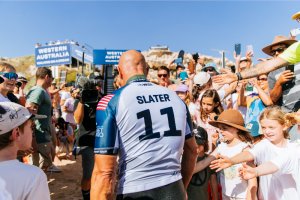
13	115
243	59
210	64
200	135
201	78
253	127
181	88
22	79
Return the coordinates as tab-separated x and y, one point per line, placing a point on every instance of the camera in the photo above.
88	93
19	84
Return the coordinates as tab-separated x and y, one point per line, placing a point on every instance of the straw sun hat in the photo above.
279	39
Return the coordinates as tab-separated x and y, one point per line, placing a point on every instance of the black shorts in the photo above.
172	191
87	162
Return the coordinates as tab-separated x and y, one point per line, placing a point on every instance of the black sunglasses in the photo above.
164	75
209	69
279	50
262	79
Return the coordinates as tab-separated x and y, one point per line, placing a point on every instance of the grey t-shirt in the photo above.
290	100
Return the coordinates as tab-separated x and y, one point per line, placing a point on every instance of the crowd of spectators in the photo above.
253	120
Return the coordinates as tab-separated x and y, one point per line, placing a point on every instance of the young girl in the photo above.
182	91
210	107
283	164
281	186
197	188
236	136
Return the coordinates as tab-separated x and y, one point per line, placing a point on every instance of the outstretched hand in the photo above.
246	172
222	162
225	77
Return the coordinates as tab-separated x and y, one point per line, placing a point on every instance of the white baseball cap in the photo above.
201	78
13	115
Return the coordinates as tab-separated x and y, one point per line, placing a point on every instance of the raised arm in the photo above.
205	162
247	172
260	68
224	162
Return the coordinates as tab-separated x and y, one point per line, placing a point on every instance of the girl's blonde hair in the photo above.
275	113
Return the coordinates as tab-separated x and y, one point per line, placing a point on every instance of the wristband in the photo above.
239	76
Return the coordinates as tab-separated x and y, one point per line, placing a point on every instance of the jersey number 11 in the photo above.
148	124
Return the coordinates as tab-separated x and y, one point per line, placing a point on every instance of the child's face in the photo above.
272	130
182	95
200	149
228	132
208	105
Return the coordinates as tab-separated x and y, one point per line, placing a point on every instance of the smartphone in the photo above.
249	48
290	67
237	48
290	83
178	60
295	32
181	54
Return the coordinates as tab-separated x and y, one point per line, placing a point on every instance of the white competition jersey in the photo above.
146	125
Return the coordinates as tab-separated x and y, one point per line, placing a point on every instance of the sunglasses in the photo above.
164	75
9	75
208	70
262	79
279	50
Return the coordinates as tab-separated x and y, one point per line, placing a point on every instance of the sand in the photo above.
66	184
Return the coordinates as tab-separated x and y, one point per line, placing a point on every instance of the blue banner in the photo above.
53	55
77	52
105	57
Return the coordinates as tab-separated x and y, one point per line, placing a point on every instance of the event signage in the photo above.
106	57
53	55
77	52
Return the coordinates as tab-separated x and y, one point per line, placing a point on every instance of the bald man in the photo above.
147	127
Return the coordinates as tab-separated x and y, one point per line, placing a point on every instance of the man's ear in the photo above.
15	134
120	72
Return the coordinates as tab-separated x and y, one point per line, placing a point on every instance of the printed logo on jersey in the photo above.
104	102
99	131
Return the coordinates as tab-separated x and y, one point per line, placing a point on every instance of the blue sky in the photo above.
194	26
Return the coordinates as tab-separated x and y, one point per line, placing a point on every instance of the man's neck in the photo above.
135	77
8	153
42	84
